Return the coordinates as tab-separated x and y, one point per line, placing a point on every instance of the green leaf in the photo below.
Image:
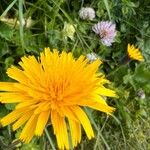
8	62
6	31
4	49
10	106
142	74
3	111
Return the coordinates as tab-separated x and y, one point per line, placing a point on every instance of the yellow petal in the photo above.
11	117
28	131
105	92
41	107
102	107
22	120
26	103
69	113
7	97
17	74
60	130
84	121
75	129
7	86
41	123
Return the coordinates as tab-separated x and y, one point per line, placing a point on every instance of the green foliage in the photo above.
26	27
6	32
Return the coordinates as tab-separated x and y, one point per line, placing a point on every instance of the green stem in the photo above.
107	8
21	19
111	73
49	139
7	9
69	136
104	123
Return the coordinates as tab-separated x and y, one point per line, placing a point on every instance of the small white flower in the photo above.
68	30
141	94
29	22
92	56
87	13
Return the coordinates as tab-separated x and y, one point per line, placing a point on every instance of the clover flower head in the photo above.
92	56
107	32
87	13
141	94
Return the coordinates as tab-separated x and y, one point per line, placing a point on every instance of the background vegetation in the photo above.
27	26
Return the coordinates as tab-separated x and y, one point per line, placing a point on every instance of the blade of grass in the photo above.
8	8
107	8
69	136
96	127
56	8
49	139
124	138
13	145
21	19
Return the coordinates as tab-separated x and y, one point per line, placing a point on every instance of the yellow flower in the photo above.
52	89
134	53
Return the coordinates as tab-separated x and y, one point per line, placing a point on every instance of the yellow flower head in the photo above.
52	89
134	53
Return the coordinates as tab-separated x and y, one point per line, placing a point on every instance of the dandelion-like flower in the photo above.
87	13
134	53
54	88
107	32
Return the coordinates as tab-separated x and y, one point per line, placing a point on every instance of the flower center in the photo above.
103	34
55	100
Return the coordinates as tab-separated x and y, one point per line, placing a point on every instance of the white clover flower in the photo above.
68	30
92	57
87	13
141	94
29	22
107	32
